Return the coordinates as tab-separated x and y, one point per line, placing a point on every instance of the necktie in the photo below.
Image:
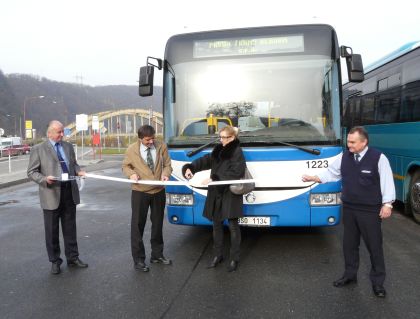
149	159
61	159
357	157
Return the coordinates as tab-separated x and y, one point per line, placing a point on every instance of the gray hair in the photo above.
362	132
53	123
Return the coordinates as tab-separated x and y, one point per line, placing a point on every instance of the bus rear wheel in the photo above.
413	203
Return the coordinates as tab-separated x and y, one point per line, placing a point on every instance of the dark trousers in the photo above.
140	203
368	226
66	212
235	238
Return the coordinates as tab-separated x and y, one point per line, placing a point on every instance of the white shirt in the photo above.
333	174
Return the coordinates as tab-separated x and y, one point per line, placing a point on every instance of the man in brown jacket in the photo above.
147	159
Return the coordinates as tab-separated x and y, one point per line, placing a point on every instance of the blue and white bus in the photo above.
387	103
281	86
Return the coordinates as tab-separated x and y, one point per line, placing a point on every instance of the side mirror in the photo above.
146	81
354	64
355	68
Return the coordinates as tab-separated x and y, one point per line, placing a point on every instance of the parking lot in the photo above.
283	273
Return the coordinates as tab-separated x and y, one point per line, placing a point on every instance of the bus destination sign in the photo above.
248	46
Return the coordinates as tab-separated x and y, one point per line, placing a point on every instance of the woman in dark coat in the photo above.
226	162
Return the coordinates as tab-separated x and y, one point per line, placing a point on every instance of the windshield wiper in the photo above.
198	149
313	151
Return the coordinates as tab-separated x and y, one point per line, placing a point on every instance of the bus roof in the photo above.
308	39
406	48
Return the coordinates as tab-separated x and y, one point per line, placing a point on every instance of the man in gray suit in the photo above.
50	165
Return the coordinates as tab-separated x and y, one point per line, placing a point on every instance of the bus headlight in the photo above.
325	199
179	199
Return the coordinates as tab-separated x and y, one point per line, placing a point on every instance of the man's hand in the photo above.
164	178
385	212
50	180
134	177
81	173
309	178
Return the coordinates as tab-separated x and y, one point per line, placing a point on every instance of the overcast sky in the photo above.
106	42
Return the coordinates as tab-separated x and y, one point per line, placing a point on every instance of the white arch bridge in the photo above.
122	122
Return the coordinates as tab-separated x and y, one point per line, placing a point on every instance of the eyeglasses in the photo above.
224	137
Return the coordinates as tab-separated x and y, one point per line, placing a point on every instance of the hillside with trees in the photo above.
45	100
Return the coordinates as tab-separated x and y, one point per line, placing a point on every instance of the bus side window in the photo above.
416	105
352	112
410	106
407	107
388	106
368	109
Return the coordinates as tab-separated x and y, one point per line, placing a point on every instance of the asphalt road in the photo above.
17	163
284	273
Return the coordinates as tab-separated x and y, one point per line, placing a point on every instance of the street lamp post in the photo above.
27	99
14	116
66	111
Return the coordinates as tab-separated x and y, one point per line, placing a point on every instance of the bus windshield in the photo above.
285	98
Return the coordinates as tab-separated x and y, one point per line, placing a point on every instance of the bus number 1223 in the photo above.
317	164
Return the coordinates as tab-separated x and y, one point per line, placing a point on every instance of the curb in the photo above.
15	182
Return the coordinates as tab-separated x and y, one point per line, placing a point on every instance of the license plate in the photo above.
254	221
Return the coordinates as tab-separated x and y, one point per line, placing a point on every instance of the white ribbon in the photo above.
196	183
168	183
131	181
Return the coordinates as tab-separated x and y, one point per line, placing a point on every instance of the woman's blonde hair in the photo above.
231	130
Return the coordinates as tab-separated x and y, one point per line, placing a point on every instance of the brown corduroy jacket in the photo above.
134	164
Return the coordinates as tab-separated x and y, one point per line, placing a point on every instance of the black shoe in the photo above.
141	266
55	268
76	263
233	265
215	261
343	281
379	291
160	260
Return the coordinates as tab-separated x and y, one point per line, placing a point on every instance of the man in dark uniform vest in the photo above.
368	192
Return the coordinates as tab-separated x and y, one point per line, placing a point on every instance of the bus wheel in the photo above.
413	203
